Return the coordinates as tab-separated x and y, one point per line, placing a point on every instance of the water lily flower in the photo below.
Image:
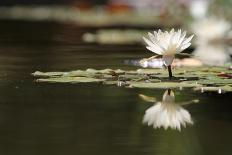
167	44
167	113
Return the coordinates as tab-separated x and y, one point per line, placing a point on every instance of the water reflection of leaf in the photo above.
147	98
167	113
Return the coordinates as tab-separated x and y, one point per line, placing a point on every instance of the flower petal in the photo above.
188	39
181	38
152	38
154	50
178	35
183	47
167	42
168	59
149	43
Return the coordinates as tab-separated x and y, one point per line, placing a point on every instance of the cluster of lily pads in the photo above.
202	79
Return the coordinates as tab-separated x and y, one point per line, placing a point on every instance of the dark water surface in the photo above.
86	119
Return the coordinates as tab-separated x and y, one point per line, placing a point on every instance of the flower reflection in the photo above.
167	113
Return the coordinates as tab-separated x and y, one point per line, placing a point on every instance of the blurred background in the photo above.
64	35
121	22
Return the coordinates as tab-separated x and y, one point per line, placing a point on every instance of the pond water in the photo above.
84	119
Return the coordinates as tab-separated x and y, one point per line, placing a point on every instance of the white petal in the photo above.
167	43
178	35
183	47
164	40
174	39
152	37
155	41
168	59
172	31
181	39
188	39
149	43
155	33
155	50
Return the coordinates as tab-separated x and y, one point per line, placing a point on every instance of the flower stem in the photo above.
170	72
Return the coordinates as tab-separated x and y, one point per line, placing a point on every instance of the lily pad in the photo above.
214	89
198	78
47	74
163	85
70	80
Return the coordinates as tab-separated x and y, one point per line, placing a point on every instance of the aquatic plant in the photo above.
167	113
204	79
167	44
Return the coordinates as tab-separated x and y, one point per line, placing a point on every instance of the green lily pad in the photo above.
198	78
47	74
70	80
214	89
163	85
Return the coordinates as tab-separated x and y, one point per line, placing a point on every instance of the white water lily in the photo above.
167	113
167	44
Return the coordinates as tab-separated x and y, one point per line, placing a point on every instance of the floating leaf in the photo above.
70	80
164	85
214	89
228	75
47	74
200	78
